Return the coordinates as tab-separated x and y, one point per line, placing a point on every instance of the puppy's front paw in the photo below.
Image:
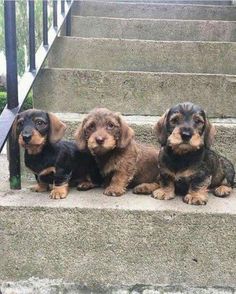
145	188
85	186
40	187
114	191
196	198
222	191
59	192
163	194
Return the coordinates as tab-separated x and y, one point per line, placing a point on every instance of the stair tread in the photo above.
154	19
94	199
161	4
140	119
143	41
72	69
154	10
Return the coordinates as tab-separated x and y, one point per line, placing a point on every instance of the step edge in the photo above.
139	72
158	4
143	119
78	200
143	41
154	19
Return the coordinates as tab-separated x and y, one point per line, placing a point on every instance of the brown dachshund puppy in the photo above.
122	161
53	162
187	166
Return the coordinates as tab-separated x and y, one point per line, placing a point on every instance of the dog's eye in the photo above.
20	123
39	122
110	126
197	120
91	127
175	120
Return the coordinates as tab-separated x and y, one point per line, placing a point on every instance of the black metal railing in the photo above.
18	91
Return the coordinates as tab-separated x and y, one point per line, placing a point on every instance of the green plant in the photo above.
27	104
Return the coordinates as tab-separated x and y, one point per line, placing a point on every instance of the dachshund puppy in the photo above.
122	161
53	161
187	166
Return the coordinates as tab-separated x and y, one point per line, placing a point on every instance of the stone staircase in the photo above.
138	58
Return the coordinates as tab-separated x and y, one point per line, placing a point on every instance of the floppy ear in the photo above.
80	137
57	128
126	133
161	130
209	135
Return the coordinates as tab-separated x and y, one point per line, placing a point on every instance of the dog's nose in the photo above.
100	140
27	138
186	134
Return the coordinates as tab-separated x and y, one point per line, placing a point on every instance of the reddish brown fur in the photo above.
121	159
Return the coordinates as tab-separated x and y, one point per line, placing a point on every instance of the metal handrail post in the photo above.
12	89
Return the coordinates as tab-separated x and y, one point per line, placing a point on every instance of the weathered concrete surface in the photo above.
153	29
101	242
64	90
4	175
46	286
201	2
154	10
143	55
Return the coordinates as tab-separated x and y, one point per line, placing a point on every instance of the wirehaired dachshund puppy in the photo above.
122	161
53	161
187	165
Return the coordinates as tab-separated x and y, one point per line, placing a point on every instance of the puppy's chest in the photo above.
40	163
114	163
179	175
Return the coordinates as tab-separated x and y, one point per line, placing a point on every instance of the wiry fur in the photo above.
53	162
187	165
122	161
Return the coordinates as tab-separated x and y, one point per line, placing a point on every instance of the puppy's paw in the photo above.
163	194
222	191
145	188
59	192
196	198
85	186
40	187
114	191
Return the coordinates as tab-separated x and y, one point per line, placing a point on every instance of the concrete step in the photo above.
145	93
154	10
47	286
142	55
201	2
102	242
153	29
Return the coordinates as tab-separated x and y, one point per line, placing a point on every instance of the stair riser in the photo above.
147	10
225	143
117	247
169	30
133	93
114	54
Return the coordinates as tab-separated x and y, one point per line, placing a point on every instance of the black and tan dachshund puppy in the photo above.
187	165
54	162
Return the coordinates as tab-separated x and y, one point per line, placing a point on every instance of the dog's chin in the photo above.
184	148
33	148
100	150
